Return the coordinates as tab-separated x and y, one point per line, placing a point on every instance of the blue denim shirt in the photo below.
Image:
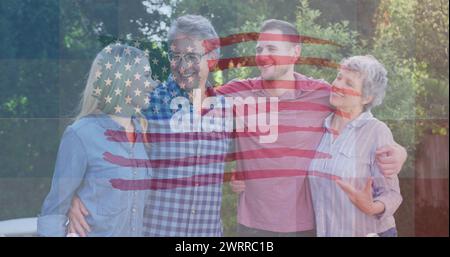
80	169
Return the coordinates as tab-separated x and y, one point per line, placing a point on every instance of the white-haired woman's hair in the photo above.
374	75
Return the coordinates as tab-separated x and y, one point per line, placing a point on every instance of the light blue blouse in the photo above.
80	169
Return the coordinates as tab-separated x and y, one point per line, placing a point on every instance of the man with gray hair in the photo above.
187	201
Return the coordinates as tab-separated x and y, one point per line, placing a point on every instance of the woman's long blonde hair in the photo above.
89	103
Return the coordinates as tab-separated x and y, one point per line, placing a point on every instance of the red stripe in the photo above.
257	84
212	44
345	91
214	158
250	61
120	136
210	179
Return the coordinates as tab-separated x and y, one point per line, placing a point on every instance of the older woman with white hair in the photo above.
351	197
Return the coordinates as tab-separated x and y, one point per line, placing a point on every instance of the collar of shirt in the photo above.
107	122
362	119
302	84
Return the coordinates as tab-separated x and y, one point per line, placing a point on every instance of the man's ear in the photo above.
367	99
297	51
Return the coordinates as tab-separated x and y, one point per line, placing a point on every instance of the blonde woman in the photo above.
110	121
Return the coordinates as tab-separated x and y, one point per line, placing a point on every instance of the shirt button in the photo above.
193	211
197	184
133	210
134	229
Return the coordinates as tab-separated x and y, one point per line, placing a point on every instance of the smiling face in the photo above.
268	59
346	93
188	62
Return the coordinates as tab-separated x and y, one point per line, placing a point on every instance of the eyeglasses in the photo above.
193	58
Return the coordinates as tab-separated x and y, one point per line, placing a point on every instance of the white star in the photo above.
190	79
189	64
108	65
108	49
156	109
108	82
118	91
137	76
173	63
128	83
127	51
118	58
164	69
147	100
189	49
137	109
155	61
128	67
98	74
166	100
146	84
137	92
118	43
156	77
137	60
137	44
118	109
146	52
108	99
97	91
146	68
128	99
118	75
172	47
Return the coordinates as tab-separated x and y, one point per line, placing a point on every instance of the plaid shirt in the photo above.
192	206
